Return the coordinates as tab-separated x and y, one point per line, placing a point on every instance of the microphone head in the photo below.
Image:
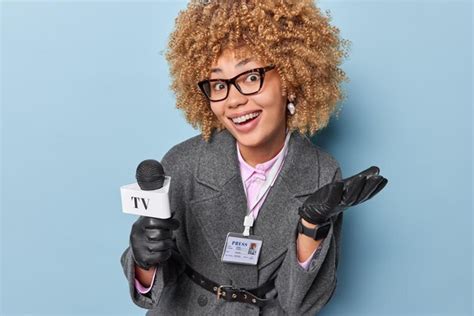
150	175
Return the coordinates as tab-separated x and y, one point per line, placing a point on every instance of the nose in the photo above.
235	98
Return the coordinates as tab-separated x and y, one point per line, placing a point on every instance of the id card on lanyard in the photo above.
245	248
241	249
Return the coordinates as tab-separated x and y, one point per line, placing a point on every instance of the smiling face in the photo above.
258	121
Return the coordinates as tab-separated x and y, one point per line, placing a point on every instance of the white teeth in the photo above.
244	118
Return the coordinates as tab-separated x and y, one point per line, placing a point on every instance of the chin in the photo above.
248	140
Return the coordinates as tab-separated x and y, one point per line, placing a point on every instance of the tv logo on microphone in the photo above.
136	199
152	203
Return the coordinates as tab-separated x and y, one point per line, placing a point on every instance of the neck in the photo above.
262	153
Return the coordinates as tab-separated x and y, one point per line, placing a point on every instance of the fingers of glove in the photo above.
143	249
369	172
157	234
379	188
160	245
151	222
140	256
140	262
140	240
148	259
352	190
370	186
161	256
329	192
336	190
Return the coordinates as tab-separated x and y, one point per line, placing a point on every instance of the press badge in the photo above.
242	249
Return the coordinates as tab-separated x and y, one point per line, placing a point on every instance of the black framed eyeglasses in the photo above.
248	83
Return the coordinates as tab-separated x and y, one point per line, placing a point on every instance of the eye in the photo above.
217	86
254	76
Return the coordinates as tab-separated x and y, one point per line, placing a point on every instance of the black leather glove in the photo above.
336	196
150	240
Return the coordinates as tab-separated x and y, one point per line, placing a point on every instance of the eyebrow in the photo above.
239	64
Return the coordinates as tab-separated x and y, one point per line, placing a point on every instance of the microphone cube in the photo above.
153	203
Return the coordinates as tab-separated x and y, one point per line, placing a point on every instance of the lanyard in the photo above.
270	180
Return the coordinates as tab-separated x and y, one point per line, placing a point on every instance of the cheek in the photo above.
271	99
218	110
272	104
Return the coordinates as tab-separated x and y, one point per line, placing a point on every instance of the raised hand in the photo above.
336	196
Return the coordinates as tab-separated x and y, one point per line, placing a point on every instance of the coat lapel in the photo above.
222	210
278	217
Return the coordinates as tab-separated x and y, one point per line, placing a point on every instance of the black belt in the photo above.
230	293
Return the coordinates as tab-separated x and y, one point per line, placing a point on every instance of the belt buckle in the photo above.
221	293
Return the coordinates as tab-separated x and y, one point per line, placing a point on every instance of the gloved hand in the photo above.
150	240
336	196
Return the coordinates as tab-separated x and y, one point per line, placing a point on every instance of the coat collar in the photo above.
218	163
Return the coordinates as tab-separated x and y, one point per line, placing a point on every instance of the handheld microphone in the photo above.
149	196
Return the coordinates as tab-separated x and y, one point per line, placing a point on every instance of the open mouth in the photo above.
244	119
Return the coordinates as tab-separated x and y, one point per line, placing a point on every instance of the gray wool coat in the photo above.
207	197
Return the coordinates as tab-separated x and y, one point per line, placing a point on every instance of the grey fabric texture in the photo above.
208	198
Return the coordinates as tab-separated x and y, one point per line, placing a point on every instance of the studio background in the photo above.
85	98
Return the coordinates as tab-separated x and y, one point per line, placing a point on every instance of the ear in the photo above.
290	96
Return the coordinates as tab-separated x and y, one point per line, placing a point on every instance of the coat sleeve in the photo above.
166	275
168	272
305	292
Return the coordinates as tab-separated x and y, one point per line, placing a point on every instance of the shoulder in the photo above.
182	156
194	144
317	161
186	155
314	152
185	148
330	169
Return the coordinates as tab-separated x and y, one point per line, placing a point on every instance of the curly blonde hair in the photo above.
292	34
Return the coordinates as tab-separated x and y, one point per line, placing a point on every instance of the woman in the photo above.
257	207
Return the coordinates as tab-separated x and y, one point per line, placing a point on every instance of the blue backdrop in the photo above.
85	98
